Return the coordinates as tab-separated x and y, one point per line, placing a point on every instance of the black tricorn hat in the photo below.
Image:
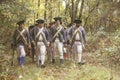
21	22
77	21
31	27
57	18
51	23
39	21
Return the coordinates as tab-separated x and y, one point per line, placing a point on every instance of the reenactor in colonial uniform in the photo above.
40	39
65	53
78	39
58	39
68	37
32	45
21	41
50	49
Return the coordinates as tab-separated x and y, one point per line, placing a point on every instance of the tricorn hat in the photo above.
39	21
31	27
51	23
58	18
77	21
21	22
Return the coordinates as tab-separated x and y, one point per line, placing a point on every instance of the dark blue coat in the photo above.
20	39
61	35
71	31
34	32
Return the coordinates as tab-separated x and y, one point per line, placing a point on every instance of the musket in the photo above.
13	52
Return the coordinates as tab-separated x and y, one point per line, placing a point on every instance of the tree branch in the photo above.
81	9
90	11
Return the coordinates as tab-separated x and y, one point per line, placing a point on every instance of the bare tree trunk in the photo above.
66	11
66	7
72	13
38	8
76	8
34	17
90	11
81	9
38	3
45	10
51	12
59	8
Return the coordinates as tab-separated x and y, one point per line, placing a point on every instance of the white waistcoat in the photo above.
77	37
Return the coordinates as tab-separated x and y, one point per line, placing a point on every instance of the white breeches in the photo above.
58	45
41	52
77	48
21	51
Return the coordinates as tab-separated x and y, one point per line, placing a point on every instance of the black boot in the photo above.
61	61
19	62
39	61
81	63
53	61
42	66
32	57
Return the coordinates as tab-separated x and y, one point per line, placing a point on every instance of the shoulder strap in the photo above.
21	35
40	31
57	32
20	32
75	32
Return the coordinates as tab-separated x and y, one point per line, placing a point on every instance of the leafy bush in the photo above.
10	12
106	44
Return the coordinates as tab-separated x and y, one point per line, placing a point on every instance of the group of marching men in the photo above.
51	39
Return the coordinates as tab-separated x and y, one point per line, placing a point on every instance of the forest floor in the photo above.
92	70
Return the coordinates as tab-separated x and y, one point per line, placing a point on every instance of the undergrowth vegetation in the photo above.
102	51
